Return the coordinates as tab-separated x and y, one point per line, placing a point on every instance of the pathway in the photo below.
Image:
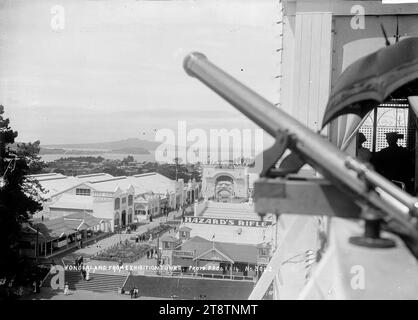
105	243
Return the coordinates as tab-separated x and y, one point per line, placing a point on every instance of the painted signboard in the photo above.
227	222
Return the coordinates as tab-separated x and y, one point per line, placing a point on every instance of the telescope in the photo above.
348	187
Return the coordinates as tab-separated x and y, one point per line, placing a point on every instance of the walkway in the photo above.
139	266
105	243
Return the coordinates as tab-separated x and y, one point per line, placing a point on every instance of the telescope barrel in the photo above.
316	151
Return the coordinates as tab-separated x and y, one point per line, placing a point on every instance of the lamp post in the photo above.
36	247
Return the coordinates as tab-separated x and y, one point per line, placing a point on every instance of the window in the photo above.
130	200
166	245
82	192
117	203
123	200
264	252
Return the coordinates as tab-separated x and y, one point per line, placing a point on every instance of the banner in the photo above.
227	222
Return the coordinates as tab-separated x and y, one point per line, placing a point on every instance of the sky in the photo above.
112	69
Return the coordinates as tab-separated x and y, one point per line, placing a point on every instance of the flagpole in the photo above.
213	242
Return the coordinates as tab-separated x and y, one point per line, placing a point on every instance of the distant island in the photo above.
134	151
132	146
134	143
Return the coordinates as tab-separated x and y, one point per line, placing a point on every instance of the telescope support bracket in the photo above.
372	228
273	154
290	164
316	197
303	195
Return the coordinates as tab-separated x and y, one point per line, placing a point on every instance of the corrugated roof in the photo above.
236	252
45	176
154	182
55	183
58	184
88	218
94	177
55	228
70	201
111	184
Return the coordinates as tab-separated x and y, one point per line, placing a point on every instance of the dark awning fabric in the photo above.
390	72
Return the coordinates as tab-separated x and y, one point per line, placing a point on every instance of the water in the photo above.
112	156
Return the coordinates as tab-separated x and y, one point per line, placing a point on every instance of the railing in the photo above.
212	276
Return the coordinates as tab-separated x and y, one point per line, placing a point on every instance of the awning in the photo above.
390	72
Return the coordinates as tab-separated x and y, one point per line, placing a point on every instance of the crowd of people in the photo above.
393	162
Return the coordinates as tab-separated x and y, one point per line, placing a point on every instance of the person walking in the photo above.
84	273
66	289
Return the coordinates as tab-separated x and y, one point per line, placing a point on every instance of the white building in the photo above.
121	200
160	185
100	195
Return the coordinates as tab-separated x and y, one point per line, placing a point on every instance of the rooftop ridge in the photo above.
145	174
52	178
91	175
110	179
43	174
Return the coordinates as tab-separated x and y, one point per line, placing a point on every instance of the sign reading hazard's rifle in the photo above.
228	222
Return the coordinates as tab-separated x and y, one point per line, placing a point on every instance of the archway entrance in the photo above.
224	188
124	218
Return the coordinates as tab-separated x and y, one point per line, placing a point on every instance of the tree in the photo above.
30	151
127	160
20	196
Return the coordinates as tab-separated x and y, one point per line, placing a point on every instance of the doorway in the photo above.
388	121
